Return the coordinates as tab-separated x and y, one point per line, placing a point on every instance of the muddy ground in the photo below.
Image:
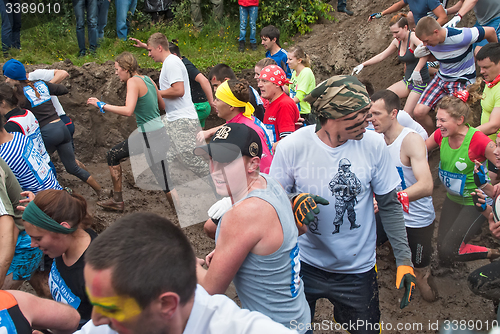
335	48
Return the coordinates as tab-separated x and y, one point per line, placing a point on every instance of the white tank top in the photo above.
421	212
29	125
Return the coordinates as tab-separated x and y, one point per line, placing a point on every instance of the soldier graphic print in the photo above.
345	186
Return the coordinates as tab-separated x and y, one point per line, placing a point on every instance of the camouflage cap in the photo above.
338	96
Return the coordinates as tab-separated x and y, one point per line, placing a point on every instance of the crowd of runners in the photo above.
309	180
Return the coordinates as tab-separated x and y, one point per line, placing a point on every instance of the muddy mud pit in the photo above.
335	48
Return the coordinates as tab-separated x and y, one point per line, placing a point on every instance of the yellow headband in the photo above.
225	94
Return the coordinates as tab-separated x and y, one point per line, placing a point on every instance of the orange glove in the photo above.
304	207
405	277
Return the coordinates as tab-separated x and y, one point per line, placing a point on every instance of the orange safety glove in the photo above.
304	207
405	277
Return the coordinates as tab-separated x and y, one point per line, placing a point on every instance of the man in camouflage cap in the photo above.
338	260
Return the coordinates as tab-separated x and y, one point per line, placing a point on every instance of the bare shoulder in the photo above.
414	145
254	205
251	212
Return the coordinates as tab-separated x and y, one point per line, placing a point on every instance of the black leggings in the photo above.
419	240
57	137
154	146
457	225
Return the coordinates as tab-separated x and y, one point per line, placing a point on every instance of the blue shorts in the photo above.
26	258
419	89
354	297
495	23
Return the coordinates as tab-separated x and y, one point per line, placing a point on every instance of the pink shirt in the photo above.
267	158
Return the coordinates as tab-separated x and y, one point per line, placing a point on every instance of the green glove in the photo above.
304	207
405	277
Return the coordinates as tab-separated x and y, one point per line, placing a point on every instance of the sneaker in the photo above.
254	46
241	47
111	205
81	54
345	10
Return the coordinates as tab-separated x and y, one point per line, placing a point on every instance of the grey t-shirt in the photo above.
487	10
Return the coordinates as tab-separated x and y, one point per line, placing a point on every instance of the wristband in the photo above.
101	106
460	16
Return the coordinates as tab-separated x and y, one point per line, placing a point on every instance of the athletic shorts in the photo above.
419	89
437	89
26	258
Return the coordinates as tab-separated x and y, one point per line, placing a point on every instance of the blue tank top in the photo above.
271	284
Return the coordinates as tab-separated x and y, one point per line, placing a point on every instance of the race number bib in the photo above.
269	141
43	92
453	182
59	289
271	133
38	143
37	165
6	324
295	263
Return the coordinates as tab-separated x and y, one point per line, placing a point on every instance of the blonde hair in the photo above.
457	108
158	39
426	26
128	62
299	53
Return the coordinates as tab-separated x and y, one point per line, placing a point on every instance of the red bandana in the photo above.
462	95
492	83
275	74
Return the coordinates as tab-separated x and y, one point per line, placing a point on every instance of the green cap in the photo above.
337	97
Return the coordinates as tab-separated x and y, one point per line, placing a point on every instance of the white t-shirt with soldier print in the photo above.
343	236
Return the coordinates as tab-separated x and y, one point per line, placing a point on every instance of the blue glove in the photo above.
475	199
376	15
101	106
480	176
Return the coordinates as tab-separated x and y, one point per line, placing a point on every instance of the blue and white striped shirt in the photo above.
29	167
455	54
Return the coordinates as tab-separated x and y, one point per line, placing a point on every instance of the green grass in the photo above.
55	41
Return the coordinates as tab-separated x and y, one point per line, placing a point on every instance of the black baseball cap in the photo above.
230	142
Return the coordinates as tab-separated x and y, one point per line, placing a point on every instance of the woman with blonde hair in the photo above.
144	102
461	145
303	81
